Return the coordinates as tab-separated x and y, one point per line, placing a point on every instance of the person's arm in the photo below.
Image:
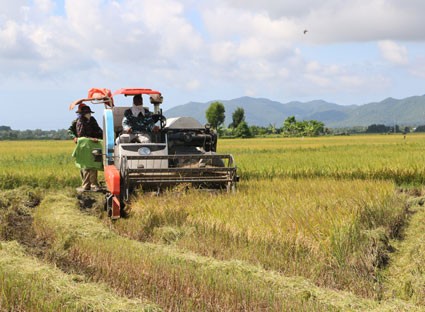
150	122
72	130
125	123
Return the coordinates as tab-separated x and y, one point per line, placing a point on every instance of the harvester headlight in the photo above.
144	151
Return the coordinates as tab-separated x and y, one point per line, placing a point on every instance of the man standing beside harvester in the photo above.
89	135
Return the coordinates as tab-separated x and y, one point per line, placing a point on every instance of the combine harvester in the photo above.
183	151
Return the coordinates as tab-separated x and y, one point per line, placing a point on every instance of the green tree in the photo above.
313	128
291	127
377	128
242	130
256	130
237	117
215	114
420	128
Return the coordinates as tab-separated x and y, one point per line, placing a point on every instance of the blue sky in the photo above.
355	52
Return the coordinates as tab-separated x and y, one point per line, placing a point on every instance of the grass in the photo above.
179	280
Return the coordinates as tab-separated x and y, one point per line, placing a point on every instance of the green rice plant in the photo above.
46	164
179	280
26	284
323	229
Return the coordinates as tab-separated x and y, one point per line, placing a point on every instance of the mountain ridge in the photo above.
263	112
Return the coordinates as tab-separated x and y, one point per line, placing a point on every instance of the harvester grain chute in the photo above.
183	151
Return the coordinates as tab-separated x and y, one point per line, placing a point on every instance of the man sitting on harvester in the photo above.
139	122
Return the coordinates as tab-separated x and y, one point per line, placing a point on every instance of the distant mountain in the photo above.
408	111
263	112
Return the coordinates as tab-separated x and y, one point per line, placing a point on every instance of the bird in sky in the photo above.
305	31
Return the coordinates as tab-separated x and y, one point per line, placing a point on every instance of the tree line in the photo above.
291	127
215	115
7	133
380	128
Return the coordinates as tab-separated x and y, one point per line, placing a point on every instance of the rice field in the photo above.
46	164
317	224
52	290
383	157
325	230
181	280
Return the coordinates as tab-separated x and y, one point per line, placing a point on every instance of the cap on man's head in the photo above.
84	110
81	106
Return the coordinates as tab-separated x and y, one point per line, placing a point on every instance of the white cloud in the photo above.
277	9
176	35
417	68
352	81
213	49
12	10
313	66
135	33
44	6
14	42
344	21
193	85
318	80
393	52
224	52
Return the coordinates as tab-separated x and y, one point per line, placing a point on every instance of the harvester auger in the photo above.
183	151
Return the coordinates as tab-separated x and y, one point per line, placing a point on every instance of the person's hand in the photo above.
75	140
155	129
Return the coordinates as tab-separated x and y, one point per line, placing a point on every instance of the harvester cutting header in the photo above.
176	150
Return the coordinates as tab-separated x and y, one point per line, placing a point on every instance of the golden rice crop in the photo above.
323	208
387	157
49	163
318	228
179	280
46	164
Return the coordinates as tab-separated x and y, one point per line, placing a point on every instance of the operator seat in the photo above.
118	113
